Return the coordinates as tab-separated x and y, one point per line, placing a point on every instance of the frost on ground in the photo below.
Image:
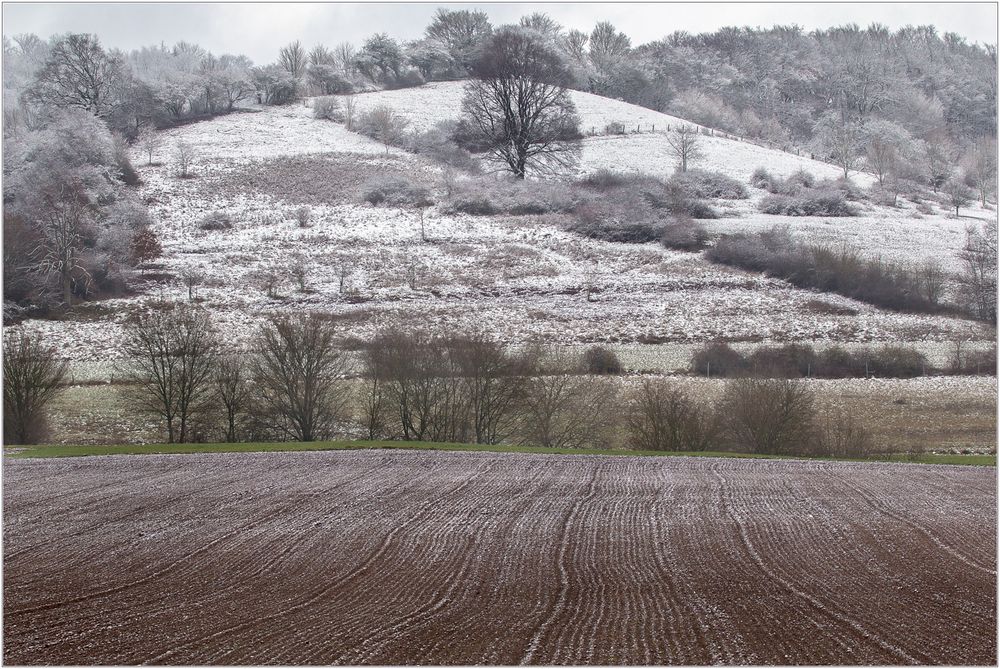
519	278
383	557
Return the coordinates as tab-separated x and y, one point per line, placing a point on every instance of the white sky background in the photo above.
258	30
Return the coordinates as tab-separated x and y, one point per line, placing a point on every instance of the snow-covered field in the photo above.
521	278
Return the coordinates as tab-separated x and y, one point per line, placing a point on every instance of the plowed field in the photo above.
388	557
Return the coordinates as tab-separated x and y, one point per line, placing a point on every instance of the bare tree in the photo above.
518	104
149	142
298	268
184	155
62	219
931	279
775	416
192	277
31	378
494	380
343	55
982	167
292	59
839	138
958	193
662	417
350	112
297	372
385	125
232	387
343	265
170	358
978	281
685	146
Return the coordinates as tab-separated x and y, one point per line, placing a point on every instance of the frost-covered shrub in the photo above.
601	360
697	184
800	179
625	218
218	220
397	192
474	204
438	145
614	128
327	107
761	178
808	203
684	234
604	180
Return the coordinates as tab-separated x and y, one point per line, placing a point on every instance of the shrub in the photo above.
897	362
695	184
800	179
437	144
474	205
718	360
684	234
327	107
788	361
408	79
774	416
662	417
808	203
604	180
396	192
761	178
601	360
841	435
218	220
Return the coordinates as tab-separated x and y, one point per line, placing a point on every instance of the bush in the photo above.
601	360
718	360
608	220
408	79
897	362
761	178
218	220
841	435
807	203
604	180
695	184
437	144
788	361
773	416
684	234
474	205
662	417
327	107
396	192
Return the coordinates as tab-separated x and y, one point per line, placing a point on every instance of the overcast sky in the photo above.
257	30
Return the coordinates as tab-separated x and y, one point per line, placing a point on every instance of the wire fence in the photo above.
616	128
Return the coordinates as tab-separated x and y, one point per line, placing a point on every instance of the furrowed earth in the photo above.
401	557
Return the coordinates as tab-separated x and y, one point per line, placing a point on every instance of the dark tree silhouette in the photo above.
518	105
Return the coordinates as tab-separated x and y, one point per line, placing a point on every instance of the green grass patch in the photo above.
63	451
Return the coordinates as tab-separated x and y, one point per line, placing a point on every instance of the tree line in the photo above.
301	384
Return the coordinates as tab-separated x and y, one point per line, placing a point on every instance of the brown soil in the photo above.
388	557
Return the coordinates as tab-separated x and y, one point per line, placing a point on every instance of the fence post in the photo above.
708	370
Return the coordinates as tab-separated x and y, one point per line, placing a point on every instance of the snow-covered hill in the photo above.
519	277
643	148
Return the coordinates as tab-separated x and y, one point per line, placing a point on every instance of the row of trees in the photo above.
300	384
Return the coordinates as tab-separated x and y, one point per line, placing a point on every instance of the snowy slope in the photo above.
520	278
645	152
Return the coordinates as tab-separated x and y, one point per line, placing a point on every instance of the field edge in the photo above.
64	451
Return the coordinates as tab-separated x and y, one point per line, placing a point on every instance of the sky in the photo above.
259	29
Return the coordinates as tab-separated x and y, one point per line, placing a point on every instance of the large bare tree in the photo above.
170	360
518	104
297	373
31	378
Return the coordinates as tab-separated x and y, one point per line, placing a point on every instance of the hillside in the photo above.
523	278
644	151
